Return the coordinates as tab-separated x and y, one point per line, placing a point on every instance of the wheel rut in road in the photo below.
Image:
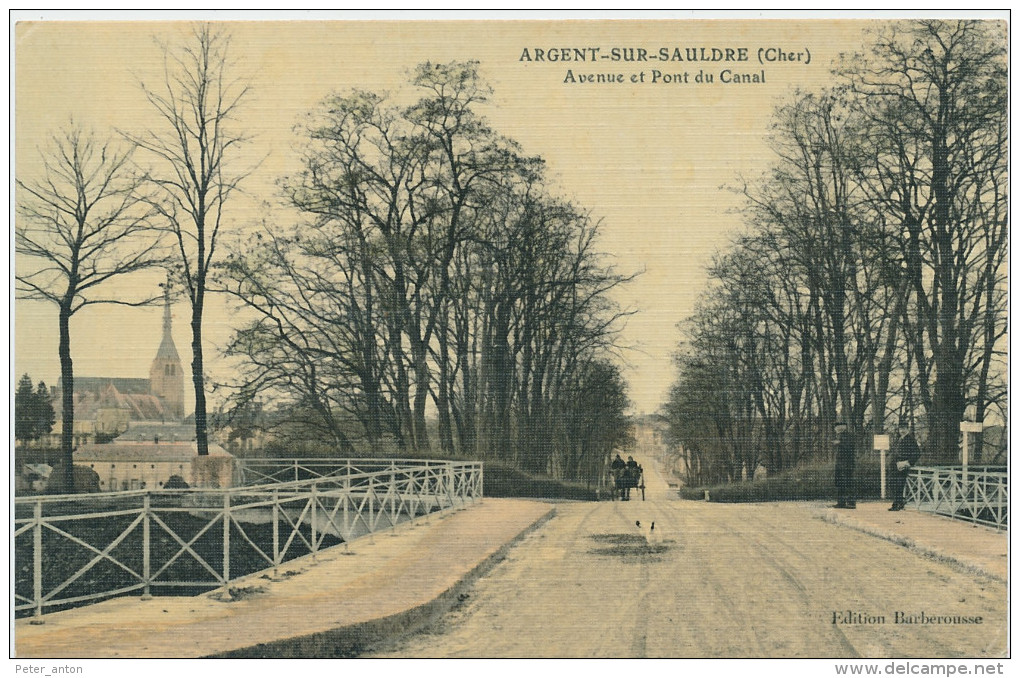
716	580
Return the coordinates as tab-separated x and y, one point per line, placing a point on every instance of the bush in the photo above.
501	480
810	482
175	482
85	480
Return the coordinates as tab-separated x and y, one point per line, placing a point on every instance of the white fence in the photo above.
75	549
974	494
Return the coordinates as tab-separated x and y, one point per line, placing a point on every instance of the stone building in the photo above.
107	406
123	466
132	433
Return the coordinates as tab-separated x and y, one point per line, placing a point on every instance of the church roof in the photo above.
136	395
87	403
124	385
142	406
167	350
149	430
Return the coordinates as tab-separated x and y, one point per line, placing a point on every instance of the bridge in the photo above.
515	578
83	548
975	494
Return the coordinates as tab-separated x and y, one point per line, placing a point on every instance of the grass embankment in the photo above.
813	482
505	481
170	563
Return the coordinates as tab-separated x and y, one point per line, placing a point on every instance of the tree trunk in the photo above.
67	398
198	377
443	395
367	338
422	378
948	400
402	394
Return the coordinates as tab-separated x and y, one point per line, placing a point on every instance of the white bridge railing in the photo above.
975	494
75	549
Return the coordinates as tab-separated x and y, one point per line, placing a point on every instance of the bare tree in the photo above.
308	343
872	279
431	263
935	92
196	100
81	223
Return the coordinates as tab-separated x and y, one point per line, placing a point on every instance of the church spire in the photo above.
166	378
166	310
167	349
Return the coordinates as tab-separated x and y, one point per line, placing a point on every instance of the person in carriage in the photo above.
616	469
630	477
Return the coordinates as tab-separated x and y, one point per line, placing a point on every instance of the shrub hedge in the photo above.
811	482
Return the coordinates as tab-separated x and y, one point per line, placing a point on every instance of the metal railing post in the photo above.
347	500
427	491
449	483
37	547
146	547
413	494
1001	502
954	488
315	501
371	508
976	505
393	497
226	547
276	534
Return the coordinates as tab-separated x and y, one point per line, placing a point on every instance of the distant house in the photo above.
156	432
149	465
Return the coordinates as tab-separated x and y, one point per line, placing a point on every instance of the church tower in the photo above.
166	378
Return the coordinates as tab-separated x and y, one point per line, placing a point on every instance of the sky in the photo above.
655	157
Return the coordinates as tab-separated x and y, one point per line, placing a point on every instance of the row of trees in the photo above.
433	277
870	285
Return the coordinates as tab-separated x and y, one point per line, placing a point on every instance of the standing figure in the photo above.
844	443
907	454
617	468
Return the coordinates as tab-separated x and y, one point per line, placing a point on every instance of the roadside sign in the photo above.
882	442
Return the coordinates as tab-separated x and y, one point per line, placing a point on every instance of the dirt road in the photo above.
717	580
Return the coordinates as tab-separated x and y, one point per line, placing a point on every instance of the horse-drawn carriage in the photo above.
630	477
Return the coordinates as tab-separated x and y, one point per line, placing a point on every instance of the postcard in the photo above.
510	336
